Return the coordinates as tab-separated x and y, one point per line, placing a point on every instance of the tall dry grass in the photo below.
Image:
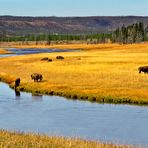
20	140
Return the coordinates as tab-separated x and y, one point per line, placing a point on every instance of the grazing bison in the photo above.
49	60
17	82
36	77
60	57
143	69
44	59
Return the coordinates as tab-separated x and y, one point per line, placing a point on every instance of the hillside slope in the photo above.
73	25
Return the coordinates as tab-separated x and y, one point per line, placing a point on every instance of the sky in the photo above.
74	7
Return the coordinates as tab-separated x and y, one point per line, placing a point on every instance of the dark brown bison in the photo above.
44	59
36	77
49	60
60	57
17	82
143	69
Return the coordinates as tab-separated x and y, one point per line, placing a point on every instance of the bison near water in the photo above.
36	77
17	82
143	69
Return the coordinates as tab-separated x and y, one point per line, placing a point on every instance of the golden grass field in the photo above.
20	140
102	72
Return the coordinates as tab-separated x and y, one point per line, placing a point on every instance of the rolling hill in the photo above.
64	25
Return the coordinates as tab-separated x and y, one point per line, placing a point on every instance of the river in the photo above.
24	51
54	115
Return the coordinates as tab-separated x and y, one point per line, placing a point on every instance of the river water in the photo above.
17	51
54	115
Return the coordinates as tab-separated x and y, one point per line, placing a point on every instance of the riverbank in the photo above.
14	140
4	51
105	73
74	45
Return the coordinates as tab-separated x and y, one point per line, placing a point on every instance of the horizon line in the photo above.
76	16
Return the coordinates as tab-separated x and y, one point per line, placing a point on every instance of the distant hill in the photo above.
64	25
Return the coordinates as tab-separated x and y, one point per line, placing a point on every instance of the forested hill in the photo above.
65	25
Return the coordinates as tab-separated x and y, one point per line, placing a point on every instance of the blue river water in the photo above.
17	51
54	115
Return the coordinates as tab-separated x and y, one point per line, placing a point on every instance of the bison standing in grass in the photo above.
60	57
36	77
143	69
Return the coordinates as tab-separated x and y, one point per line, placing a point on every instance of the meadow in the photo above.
105	73
21	140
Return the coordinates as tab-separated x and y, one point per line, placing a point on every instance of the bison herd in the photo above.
36	76
50	60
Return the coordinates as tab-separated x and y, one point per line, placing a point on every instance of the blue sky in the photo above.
74	7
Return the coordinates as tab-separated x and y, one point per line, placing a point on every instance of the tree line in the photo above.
134	33
48	38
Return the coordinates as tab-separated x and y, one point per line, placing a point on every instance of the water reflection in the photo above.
17	93
37	97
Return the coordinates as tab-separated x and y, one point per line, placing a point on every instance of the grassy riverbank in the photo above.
102	73
20	140
3	51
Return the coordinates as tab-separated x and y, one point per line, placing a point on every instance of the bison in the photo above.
143	69
49	60
17	82
36	77
60	57
44	59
